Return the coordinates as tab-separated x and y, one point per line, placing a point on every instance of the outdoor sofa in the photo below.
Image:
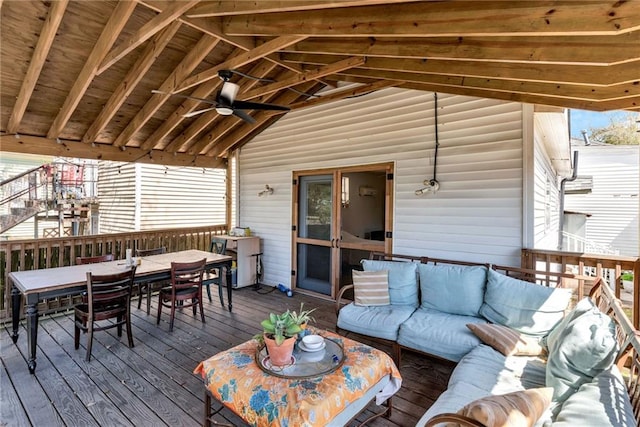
570	361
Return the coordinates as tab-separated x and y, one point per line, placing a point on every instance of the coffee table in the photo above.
234	378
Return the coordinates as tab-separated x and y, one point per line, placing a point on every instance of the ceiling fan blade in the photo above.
229	90
208	101
244	116
197	112
247	105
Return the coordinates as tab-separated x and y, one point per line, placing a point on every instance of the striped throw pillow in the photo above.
371	287
516	409
506	340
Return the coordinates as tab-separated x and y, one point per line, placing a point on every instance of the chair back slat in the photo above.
93	259
218	246
155	251
187	274
111	288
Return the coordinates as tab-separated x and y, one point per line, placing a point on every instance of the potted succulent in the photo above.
280	332
303	317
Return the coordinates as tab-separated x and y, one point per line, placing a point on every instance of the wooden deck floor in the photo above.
152	384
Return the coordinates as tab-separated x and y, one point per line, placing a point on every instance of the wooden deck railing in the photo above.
33	254
581	264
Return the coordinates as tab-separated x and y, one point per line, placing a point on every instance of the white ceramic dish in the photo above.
313	341
303	347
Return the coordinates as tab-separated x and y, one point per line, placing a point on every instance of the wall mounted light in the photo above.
266	192
430	185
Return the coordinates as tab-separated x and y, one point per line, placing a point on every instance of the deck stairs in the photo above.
58	192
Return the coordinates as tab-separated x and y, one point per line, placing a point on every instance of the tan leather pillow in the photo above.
506	340
371	287
517	409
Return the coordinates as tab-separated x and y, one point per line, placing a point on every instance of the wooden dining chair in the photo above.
147	288
108	297
214	276
93	259
186	284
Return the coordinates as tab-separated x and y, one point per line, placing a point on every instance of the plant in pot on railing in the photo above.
280	332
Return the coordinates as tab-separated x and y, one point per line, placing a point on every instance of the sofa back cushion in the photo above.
526	307
604	401
403	280
455	289
580	349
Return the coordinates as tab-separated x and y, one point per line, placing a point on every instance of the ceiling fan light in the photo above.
229	91
224	111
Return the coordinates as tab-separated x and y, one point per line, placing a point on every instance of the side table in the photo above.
234	379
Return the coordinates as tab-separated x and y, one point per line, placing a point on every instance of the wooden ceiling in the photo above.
77	76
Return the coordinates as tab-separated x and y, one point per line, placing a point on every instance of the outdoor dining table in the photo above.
37	285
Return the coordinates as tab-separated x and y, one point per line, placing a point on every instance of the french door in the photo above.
339	216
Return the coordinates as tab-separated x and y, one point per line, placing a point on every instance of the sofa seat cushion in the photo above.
441	334
526	307
459	395
601	402
485	372
442	285
403	280
488	369
376	321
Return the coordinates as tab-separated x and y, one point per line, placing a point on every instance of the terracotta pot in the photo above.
280	355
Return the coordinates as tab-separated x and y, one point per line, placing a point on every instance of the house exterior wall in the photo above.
546	200
475	216
613	203
136	197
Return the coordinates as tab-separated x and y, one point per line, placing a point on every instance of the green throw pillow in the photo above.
579	350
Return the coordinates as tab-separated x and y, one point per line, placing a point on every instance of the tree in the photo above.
623	129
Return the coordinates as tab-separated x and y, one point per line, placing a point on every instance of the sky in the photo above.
581	119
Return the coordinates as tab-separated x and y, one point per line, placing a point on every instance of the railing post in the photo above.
636	294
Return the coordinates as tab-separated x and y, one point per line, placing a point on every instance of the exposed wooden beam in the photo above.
520	97
48	33
223	8
247	57
213	27
494	85
583	50
449	19
144	33
336	67
45	146
182	141
188	64
346	93
587	75
116	23
131	80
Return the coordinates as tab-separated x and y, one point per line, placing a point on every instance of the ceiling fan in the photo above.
226	103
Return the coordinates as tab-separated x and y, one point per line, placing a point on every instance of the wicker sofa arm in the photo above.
453	418
339	298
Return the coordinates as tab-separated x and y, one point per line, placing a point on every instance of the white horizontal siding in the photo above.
181	197
614	203
143	197
476	215
545	233
117	196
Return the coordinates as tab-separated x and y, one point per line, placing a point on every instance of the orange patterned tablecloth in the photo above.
234	378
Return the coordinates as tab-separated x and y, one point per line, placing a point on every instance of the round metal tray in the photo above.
305	364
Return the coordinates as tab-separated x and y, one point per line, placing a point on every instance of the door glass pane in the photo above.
315	207
314	268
